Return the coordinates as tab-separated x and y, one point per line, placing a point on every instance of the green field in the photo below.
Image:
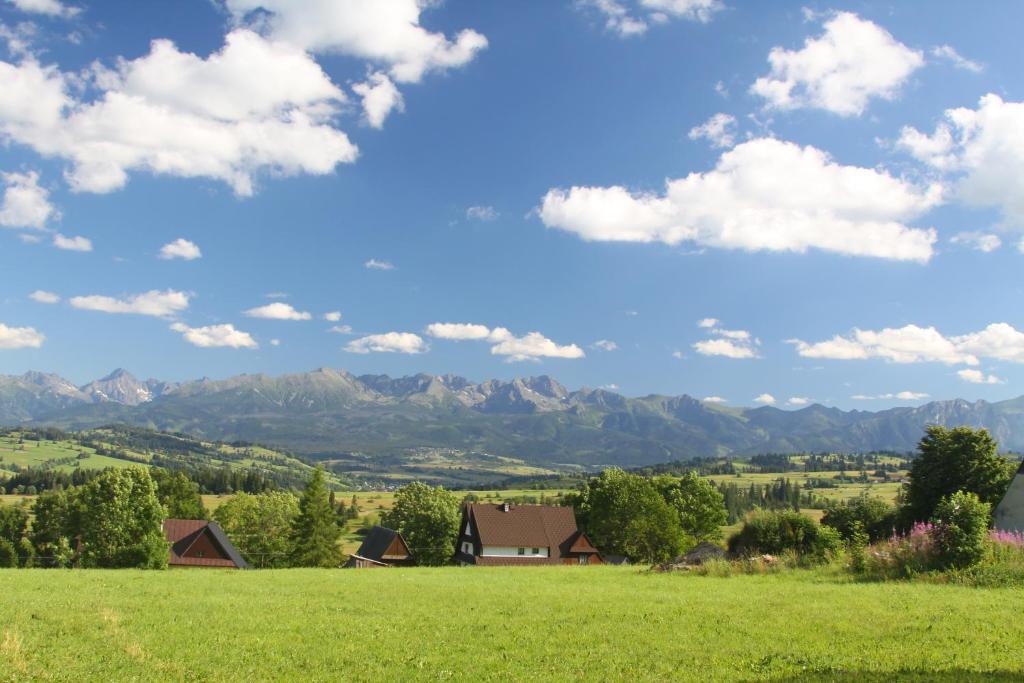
494	624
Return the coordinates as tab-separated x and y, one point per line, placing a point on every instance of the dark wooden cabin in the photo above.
199	543
382	548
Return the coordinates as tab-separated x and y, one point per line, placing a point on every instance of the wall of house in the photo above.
1009	514
205	547
503	551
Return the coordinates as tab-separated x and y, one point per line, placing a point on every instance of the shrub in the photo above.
875	517
8	554
902	556
960	530
857	545
775	532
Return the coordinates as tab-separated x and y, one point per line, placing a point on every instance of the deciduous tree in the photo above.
428	518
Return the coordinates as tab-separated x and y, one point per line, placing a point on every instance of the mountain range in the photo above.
329	413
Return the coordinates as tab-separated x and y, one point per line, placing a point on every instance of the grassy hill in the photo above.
499	624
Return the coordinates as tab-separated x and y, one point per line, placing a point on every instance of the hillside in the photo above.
333	415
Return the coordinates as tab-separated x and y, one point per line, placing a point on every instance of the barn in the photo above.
199	543
382	547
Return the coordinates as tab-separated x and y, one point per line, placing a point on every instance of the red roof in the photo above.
528	526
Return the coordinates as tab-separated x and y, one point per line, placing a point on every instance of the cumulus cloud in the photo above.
25	203
389	342
719	130
180	249
605	345
798	401
949	54
332	316
914	344
853	61
20	337
387	33
629	18
978	377
215	336
982	150
341	329
728	343
901	395
255	106
765	399
374	264
532	346
77	243
153	302
43	297
50	8
763	195
275	342
278	311
714	399
481	213
706	323
977	240
380	97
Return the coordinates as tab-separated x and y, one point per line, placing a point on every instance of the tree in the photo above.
315	532
428	518
701	508
121	520
260	526
960	530
951	460
54	525
178	494
865	515
624	514
13	528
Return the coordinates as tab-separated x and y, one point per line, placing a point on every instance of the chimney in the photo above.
505	507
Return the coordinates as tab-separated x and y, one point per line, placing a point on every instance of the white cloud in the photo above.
215	336
381	32
25	203
605	345
840	71
332	316
719	130
180	249
765	399
724	347
51	8
278	311
77	243
276	295
389	342
44	297
678	355
980	241
983	151
374	264
708	322
714	399
913	344
956	59
763	195
458	331
532	346
481	213
629	18
153	302
341	329
380	97
901	395
255	106
20	337
978	377
275	342
798	401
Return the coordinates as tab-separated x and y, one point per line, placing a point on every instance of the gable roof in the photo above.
183	533
377	543
543	526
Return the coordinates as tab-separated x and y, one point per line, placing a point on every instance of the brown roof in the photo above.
182	533
536	526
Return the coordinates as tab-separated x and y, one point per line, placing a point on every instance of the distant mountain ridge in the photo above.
328	413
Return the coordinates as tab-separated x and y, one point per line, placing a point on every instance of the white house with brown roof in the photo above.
512	535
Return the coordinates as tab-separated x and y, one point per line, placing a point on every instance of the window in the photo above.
583	559
536	551
467	548
522	551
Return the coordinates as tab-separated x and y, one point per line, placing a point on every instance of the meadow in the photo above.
490	624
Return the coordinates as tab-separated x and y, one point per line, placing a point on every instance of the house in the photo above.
514	535
1009	514
198	543
382	548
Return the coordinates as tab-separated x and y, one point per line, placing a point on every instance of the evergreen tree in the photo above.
315	532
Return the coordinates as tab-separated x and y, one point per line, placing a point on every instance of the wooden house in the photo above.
199	543
522	535
382	548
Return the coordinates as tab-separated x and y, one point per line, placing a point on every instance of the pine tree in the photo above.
315	531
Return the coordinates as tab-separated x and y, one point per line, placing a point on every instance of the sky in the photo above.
750	203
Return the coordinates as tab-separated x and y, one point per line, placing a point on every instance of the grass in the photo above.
497	624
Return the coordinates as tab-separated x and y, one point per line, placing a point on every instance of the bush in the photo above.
960	530
874	516
8	554
778	531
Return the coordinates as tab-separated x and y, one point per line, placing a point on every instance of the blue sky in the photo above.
833	190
